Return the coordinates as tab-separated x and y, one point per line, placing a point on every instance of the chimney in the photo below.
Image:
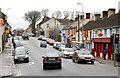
87	15
77	18
105	14
111	11
97	16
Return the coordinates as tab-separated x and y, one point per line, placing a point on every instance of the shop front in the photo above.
100	44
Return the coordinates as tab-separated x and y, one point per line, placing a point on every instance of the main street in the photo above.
34	67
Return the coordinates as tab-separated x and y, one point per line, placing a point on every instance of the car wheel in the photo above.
27	60
92	62
60	67
73	60
44	67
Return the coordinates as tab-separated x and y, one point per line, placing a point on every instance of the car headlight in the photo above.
92	58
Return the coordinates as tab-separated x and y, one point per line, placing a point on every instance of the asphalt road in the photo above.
34	67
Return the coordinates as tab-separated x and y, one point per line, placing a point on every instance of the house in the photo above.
100	30
53	26
4	26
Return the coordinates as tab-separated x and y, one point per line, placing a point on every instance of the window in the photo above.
105	32
110	30
117	30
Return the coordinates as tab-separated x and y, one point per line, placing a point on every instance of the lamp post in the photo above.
81	23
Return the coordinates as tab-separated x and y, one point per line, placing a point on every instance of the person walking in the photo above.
105	53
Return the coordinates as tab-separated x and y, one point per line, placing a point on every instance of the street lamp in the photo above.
81	23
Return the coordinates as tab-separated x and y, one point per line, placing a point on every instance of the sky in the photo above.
15	9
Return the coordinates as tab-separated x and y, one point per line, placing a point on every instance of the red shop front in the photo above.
99	46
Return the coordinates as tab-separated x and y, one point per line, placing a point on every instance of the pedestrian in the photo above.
105	53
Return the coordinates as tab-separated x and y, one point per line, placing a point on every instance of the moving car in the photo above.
83	55
43	44
67	52
25	36
52	60
21	55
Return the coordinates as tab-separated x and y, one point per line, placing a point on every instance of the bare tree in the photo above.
66	14
32	17
57	14
45	12
72	14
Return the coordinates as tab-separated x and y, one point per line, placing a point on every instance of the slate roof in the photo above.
63	21
113	20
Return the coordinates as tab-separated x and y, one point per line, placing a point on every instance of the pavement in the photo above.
6	61
7	66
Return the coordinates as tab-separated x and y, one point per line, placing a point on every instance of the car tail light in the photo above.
45	59
59	59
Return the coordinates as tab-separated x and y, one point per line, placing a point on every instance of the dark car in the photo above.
21	55
52	60
25	36
43	44
83	55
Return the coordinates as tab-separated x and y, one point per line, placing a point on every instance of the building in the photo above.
100	31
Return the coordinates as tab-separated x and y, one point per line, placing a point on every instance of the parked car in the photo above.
16	37
18	43
57	45
40	37
83	55
43	44
25	36
44	39
52	60
51	41
67	52
62	46
21	55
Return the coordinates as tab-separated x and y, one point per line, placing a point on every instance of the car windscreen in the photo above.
69	50
20	52
51	54
84	52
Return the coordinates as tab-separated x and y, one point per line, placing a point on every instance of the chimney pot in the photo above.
111	11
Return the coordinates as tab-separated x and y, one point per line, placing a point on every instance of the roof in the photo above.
104	22
63	21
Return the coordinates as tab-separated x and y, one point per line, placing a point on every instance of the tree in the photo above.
66	14
45	12
57	14
72	14
32	17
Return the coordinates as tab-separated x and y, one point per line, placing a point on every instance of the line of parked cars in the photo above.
20	53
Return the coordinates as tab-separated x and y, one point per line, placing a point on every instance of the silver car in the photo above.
67	52
83	55
21	55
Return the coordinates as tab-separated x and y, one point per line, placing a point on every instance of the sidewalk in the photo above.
6	61
109	62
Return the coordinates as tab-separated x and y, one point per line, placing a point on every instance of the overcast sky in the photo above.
15	9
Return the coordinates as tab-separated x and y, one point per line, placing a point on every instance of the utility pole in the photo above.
81	23
78	28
